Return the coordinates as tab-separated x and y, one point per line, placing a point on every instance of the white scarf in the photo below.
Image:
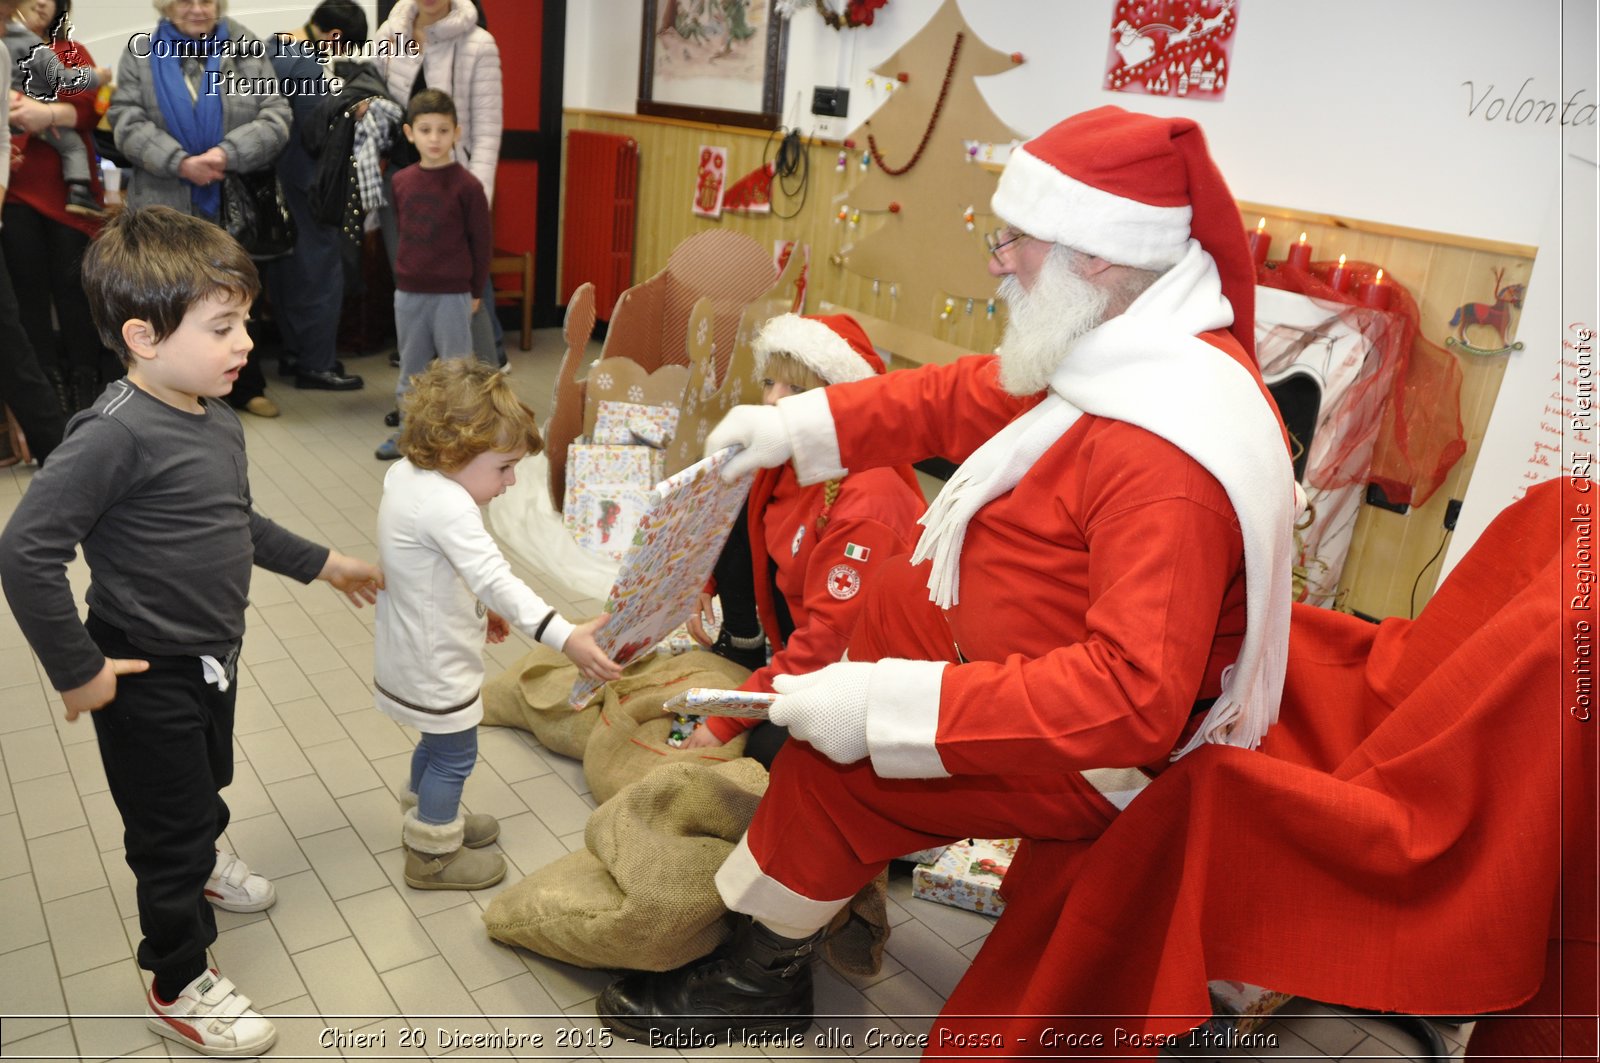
1148	367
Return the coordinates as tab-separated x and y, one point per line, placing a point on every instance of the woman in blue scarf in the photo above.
196	98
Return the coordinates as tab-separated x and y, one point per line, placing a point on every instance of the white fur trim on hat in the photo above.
1043	202
821	349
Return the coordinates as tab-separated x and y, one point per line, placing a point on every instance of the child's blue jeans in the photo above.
439	769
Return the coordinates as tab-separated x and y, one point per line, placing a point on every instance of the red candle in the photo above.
1260	244
1340	279
1299	254
1375	293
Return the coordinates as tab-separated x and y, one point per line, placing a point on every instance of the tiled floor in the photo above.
348	948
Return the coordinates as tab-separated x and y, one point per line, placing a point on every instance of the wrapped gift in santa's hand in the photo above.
826	709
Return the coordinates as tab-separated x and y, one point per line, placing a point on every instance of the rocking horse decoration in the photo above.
1496	316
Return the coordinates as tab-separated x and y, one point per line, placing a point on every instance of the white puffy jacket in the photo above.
459	58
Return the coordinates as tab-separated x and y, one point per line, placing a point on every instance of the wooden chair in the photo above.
521	264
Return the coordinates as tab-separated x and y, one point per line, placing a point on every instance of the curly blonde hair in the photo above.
459	408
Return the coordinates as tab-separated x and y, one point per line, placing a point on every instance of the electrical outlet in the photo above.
832	102
823	128
1376	497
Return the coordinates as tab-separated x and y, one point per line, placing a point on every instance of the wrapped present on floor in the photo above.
634	423
924	856
1241	1007
967	875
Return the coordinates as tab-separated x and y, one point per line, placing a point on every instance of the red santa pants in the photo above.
824	830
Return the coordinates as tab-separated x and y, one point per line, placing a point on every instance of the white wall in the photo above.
1357	110
1545	375
1362	113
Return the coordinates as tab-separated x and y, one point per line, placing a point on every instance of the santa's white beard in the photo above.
1043	322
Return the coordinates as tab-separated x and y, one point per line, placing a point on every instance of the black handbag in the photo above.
255	213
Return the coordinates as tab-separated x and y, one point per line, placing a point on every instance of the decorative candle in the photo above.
1260	244
1340	278
1299	254
1375	293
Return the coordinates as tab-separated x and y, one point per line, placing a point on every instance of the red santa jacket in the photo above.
823	566
1100	597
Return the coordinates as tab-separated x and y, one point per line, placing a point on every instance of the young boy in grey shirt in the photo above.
152	482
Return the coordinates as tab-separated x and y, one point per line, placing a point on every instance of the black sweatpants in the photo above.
167	746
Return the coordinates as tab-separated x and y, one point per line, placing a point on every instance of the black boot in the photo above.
757	985
749	652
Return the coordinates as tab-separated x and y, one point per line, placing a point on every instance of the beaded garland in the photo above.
938	107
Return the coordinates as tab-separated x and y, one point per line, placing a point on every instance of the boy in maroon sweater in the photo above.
442	260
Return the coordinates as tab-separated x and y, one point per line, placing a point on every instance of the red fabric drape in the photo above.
1417	832
1421	437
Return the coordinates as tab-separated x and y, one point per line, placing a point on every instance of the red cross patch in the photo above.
844	582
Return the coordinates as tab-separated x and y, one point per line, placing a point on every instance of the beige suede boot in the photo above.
436	859
481	830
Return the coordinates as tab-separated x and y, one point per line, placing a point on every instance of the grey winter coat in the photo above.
256	127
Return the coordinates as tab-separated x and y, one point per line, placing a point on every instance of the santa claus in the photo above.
1103	586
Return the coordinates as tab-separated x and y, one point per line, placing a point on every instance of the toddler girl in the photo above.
448	588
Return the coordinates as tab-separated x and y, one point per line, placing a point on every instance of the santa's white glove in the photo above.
760	431
827	709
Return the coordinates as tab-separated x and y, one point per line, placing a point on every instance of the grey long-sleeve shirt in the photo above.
160	500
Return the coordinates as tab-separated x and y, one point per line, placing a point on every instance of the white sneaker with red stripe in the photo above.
211	1017
234	887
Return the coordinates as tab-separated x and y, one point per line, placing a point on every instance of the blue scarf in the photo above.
196	124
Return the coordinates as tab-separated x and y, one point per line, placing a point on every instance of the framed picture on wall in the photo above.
713	61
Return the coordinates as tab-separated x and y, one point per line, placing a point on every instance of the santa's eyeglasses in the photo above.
1003	238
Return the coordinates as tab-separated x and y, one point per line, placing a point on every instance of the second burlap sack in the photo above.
639	895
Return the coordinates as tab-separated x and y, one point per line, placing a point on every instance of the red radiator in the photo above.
597	241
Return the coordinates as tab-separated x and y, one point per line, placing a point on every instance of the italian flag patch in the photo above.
856	553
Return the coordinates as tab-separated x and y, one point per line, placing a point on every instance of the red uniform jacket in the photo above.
37	181
822	574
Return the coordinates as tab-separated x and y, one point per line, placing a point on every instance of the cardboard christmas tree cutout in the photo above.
922	176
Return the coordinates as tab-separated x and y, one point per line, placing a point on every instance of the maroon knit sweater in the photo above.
445	231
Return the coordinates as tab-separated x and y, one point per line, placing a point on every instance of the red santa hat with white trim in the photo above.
832	346
1132	189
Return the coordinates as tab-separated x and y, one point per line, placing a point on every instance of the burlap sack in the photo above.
630	738
857	935
532	696
640	894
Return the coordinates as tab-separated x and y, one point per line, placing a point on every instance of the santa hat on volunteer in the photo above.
834	347
1131	189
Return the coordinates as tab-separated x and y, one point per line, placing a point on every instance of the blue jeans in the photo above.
439	769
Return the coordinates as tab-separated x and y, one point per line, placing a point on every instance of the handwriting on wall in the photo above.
1564	442
1527	105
